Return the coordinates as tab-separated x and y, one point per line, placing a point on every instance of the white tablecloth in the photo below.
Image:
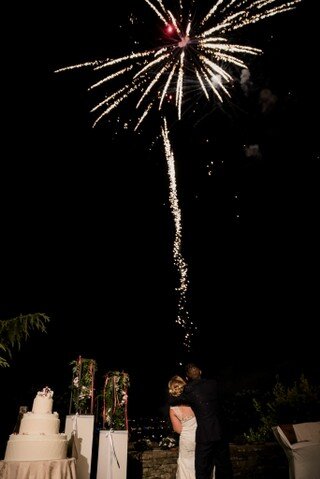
308	431
58	469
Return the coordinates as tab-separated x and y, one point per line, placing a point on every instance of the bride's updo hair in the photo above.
176	386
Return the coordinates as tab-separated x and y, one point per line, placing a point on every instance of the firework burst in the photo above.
200	50
197	53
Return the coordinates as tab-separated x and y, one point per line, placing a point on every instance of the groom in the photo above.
211	447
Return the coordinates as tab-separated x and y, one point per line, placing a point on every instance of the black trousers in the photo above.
210	454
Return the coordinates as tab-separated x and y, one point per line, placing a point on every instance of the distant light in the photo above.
170	29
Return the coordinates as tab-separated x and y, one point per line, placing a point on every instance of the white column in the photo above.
79	429
112	455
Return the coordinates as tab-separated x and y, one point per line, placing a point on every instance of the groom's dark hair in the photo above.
193	371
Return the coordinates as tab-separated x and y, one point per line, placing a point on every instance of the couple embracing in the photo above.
195	416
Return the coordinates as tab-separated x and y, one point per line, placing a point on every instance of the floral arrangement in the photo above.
82	386
167	442
115	400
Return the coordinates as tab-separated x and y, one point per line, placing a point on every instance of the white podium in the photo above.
79	430
112	455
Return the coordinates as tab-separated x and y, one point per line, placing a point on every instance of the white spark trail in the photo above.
110	77
183	319
202	84
152	84
165	89
157	11
151	64
79	65
144	114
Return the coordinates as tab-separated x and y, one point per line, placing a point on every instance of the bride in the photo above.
184	423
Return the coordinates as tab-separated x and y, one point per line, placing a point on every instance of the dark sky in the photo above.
87	231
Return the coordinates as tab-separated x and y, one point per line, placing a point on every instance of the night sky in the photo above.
87	231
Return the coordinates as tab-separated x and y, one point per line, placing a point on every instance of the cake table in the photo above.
56	469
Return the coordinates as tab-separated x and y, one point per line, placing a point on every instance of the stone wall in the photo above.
249	461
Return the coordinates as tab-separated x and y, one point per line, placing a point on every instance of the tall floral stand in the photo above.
112	455
79	430
80	426
113	440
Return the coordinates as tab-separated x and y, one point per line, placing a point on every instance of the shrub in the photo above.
298	403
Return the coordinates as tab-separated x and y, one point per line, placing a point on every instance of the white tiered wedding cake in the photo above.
38	437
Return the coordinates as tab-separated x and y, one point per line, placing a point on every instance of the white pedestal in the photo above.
81	428
112	455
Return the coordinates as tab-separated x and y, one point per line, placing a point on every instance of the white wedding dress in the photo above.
187	443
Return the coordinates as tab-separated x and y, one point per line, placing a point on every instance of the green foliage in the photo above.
115	401
285	405
14	331
261	434
83	371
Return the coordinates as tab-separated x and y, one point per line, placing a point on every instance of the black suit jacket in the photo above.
202	395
